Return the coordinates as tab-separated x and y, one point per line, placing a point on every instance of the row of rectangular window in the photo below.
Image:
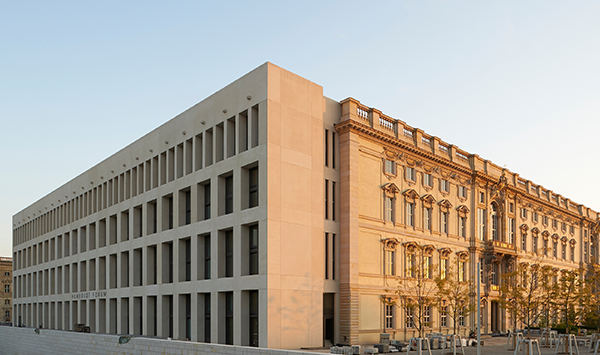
182	159
73	312
410	217
390	317
409	266
81	276
80	239
410	174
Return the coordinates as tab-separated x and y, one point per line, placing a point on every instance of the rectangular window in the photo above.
253	250
481	223
461	271
524	242
207	317
511	230
253	187
427	270
444	316
427	180
333	200
389	316
389	262
535	245
207	201
555	249
409	318
333	150
152	217
326	199
427	218
444	185
462	191
253	317
326	147
511	207
410	214
410	174
426	316
326	256
462	226
572	253
409	265
444	222
228	194
443	268
229	253
390	167
206	253
523	213
229	318
389	209
564	252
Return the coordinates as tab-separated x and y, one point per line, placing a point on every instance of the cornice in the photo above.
360	128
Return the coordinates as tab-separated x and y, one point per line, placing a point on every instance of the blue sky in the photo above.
515	82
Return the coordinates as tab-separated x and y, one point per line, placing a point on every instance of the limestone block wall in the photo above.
25	341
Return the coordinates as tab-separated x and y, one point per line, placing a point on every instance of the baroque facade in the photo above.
269	215
401	188
6	290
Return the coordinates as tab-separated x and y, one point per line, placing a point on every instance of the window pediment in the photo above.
555	237
564	240
390	189
411	195
573	241
463	210
411	247
535	230
545	234
462	255
445	205
524	228
428	200
445	252
390	244
428	250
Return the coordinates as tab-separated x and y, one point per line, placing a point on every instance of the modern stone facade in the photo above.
6	290
269	215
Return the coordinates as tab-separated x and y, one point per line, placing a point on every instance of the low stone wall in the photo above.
26	341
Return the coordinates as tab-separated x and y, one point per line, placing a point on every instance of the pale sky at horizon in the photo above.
515	82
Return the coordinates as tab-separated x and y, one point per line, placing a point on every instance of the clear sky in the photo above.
516	82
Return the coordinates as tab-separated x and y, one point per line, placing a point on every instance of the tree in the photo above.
592	316
417	289
573	297
454	292
525	293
